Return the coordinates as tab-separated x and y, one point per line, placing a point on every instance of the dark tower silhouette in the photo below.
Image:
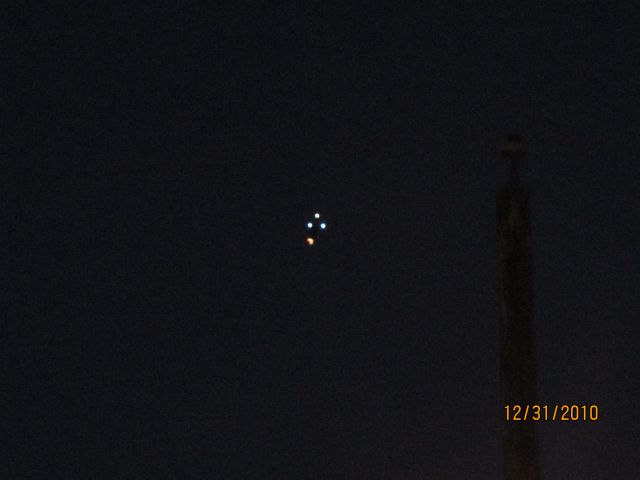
515	297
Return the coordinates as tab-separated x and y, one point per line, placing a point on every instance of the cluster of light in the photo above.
315	229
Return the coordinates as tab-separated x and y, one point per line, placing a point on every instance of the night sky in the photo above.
162	315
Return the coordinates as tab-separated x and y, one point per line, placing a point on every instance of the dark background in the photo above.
162	316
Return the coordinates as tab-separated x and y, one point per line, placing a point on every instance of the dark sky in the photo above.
162	315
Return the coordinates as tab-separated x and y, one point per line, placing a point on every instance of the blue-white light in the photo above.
309	225
323	226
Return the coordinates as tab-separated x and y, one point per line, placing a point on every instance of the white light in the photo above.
309	225
317	215
323	225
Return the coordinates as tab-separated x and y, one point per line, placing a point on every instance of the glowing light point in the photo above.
323	226
317	215
309	225
310	241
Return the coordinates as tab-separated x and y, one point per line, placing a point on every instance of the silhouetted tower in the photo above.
515	296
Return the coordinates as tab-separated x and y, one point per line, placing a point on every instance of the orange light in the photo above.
310	241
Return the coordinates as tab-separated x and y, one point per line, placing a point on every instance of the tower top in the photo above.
513	150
